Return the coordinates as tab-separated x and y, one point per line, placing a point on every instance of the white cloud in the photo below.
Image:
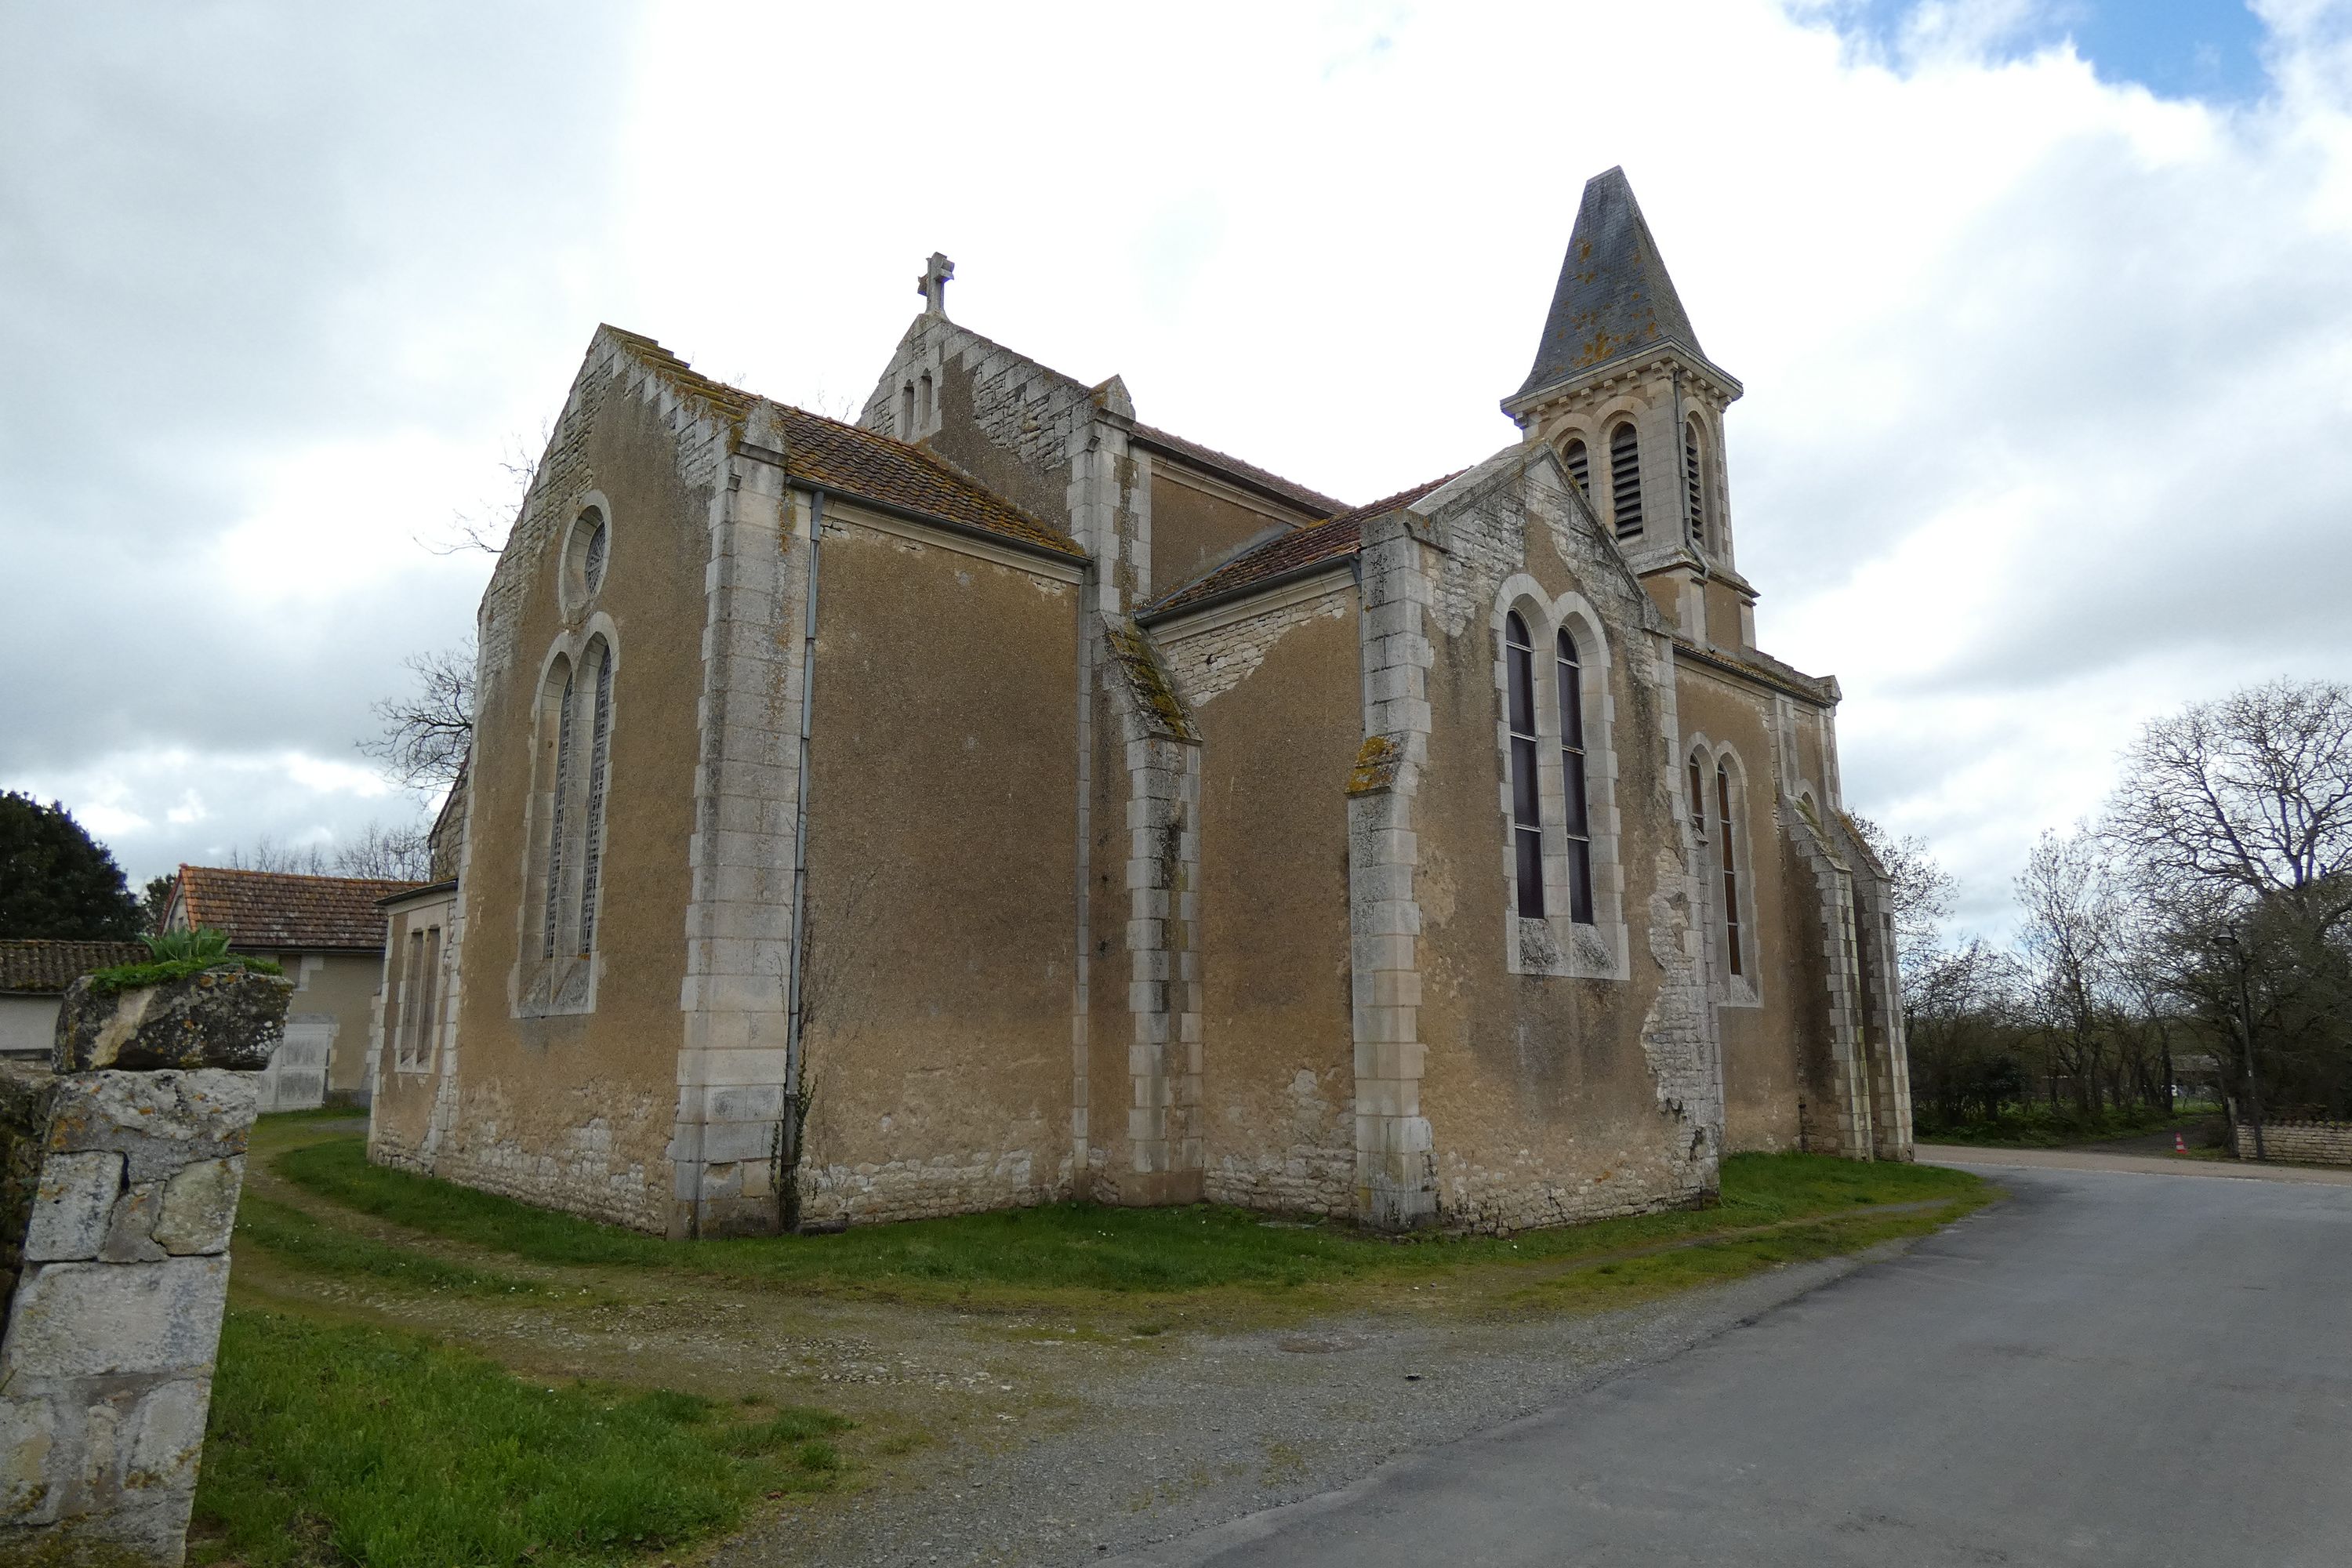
2047	375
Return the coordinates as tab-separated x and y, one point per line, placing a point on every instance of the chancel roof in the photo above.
1288	555
278	908
857	462
1614	296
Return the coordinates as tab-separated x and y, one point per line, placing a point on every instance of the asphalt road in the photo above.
2108	1368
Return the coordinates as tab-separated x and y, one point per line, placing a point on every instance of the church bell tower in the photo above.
1622	392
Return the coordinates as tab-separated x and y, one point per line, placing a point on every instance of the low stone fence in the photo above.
120	1172
2309	1142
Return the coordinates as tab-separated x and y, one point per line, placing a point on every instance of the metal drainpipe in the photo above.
793	1109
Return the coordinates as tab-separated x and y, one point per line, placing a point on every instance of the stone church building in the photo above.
1003	800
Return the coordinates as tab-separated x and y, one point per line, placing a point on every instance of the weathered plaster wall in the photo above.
1767	1017
1552	1098
1197	520
943	840
1276	697
576	1111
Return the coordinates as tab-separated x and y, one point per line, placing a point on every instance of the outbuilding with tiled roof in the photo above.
329	934
34	975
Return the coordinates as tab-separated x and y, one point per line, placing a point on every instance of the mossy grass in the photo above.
124	977
356	1444
1088	1246
175	955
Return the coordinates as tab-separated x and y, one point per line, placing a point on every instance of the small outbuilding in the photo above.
328	932
33	978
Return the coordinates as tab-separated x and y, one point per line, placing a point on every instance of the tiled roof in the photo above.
1248	473
278	909
29	966
821	451
860	463
1287	553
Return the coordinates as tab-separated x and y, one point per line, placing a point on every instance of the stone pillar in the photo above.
1396	1165
119	1181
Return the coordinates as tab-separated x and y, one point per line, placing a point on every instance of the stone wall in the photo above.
2309	1142
118	1192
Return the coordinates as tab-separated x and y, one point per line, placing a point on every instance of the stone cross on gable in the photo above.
933	284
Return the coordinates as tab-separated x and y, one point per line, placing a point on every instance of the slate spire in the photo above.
1614	296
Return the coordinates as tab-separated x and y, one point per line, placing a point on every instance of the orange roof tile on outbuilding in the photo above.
282	909
31	964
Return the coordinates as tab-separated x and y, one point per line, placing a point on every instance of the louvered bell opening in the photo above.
1692	488
1579	468
1625	480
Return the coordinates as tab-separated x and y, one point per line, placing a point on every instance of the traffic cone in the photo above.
2179	1144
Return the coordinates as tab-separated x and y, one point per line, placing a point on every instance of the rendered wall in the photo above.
577	1110
1275	695
942	843
1552	1098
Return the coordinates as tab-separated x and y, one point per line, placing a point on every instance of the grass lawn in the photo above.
342	1436
1087	1246
347	1444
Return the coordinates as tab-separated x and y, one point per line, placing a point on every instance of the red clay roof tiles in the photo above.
278	909
821	451
42	966
1291	553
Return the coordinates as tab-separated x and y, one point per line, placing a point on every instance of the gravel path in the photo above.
1218	1425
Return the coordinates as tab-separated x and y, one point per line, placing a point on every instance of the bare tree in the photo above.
269	854
483	527
2236	817
2072	910
2254	790
427	731
1962	1009
388	853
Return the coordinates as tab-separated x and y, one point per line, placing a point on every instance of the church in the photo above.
1004	801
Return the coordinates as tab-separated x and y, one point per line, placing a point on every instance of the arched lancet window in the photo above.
1625	479
1694	489
1579	830
1697	803
923	405
1729	859
907	412
1579	462
555	823
1526	819
592	560
600	730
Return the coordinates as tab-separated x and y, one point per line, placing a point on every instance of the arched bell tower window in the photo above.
907	412
1625	479
1579	462
1577	829
1693	487
1526	815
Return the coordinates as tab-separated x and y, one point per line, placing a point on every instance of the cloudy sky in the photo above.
2041	307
